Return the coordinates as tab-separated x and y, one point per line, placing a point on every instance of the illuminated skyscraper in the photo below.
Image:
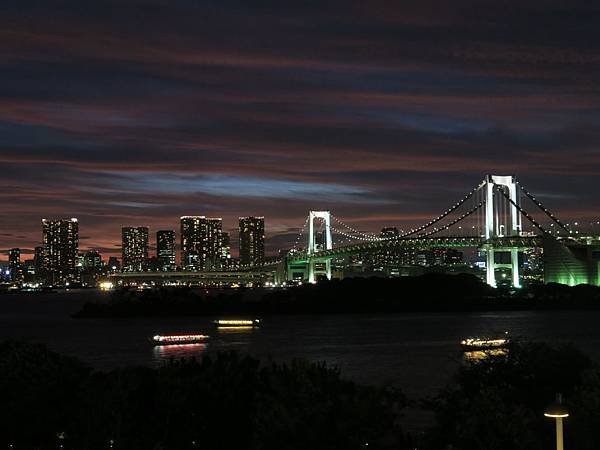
225	249
38	264
91	268
38	260
92	260
252	240
214	243
61	245
14	264
135	248
191	240
165	249
201	242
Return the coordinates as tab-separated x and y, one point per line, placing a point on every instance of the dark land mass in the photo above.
231	401
426	293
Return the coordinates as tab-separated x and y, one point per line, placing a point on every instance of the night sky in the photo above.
137	112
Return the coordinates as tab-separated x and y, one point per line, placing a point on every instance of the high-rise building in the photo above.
38	260
28	270
214	240
61	245
252	240
225	249
201	239
165	249
92	259
14	264
135	248
91	268
191	240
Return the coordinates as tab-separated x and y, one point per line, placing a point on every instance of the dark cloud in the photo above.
136	112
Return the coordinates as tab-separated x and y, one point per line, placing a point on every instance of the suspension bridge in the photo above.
491	218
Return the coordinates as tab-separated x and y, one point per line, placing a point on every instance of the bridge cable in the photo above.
368	236
351	236
300	233
440	217
429	233
454	222
544	209
525	213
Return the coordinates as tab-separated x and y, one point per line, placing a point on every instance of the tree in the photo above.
498	402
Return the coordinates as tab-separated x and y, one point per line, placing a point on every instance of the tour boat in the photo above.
478	343
241	323
174	339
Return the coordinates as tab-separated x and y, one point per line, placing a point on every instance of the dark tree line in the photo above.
234	402
226	402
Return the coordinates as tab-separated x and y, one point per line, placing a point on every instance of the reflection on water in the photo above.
178	351
235	330
479	355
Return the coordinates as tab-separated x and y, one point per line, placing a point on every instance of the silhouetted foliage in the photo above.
498	402
36	393
233	401
229	401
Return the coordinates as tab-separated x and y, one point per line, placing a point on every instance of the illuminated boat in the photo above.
178	339
477	343
237	323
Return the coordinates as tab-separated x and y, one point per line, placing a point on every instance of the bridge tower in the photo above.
314	246
495	213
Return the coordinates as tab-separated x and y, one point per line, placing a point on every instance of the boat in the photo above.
481	343
178	339
237	323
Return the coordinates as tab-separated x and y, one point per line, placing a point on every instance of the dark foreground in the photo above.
430	292
233	401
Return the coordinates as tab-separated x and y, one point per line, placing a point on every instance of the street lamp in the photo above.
558	411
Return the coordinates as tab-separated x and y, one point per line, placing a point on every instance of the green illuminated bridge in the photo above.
417	243
488	218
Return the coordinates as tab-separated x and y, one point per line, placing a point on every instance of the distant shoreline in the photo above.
427	293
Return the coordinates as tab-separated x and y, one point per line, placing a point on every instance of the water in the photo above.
416	352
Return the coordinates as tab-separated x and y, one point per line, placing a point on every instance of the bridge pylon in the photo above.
495	215
316	245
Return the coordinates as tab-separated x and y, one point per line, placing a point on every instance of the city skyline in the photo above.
491	220
273	245
151	247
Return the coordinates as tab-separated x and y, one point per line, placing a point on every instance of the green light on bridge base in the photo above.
571	280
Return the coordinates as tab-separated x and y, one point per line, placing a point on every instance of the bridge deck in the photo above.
225	276
499	244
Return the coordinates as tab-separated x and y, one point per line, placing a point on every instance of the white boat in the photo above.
174	339
237	323
482	343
